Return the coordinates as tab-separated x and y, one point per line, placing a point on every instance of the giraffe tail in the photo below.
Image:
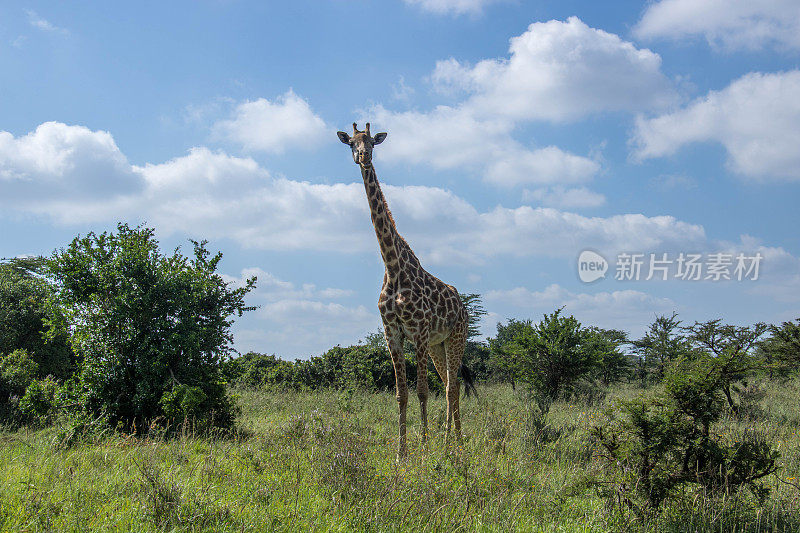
469	381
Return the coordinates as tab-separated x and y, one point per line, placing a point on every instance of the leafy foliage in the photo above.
730	348
781	351
150	330
503	361
656	444
551	356
17	371
610	363
41	399
365	366
475	311
23	314
662	343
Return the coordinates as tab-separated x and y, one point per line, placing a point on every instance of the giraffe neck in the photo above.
393	248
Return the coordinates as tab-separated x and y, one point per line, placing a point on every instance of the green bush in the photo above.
551	357
150	329
17	371
24	300
654	445
40	400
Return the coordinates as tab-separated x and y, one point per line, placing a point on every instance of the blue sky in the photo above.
520	134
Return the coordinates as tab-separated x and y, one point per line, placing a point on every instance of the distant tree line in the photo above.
111	329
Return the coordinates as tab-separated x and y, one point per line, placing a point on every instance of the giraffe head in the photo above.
361	143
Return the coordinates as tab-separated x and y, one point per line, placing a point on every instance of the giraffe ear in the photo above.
345	138
379	137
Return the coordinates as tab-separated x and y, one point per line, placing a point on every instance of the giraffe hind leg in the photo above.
454	350
439	361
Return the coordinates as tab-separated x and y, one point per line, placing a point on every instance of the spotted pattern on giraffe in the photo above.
413	303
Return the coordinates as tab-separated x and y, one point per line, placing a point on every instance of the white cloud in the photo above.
272	289
208	194
542	165
57	162
756	118
213	194
451	138
628	309
456	7
556	71
42	24
563	198
779	270
284	124
302	319
525	231
402	92
302	329
561	71
731	24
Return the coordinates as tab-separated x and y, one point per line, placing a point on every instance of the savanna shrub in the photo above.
17	371
24	301
40	400
150	330
656	444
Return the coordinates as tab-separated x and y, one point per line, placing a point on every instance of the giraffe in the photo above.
413	304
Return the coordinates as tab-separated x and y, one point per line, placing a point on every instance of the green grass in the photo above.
326	461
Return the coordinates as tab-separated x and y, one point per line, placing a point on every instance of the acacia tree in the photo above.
783	346
655	444
662	343
150	329
731	349
551	356
502	360
476	352
605	347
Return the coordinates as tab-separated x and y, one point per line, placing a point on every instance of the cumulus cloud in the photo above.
57	161
756	118
270	288
730	24
285	123
560	71
779	270
304	318
456	7
282	214
452	138
556	71
214	195
627	309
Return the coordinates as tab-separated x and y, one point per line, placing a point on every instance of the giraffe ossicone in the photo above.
413	303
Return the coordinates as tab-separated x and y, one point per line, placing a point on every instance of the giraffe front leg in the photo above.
394	340
449	398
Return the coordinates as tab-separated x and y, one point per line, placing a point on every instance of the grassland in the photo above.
325	461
